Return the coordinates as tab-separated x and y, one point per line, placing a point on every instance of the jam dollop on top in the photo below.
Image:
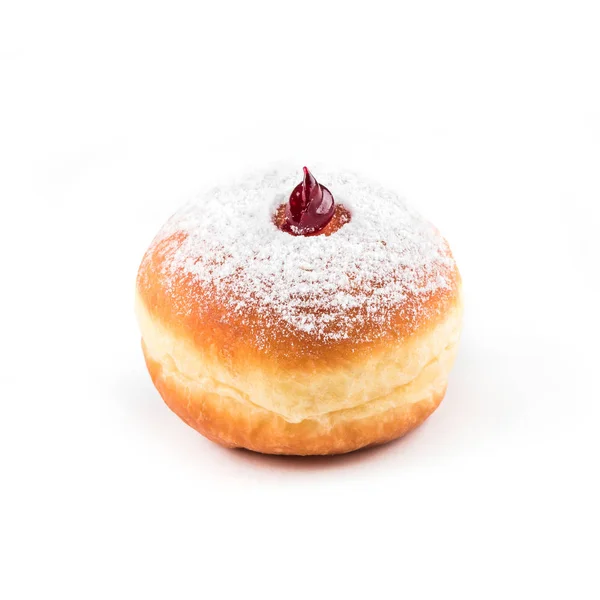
309	208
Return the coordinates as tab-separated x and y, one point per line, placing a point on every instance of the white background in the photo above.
485	115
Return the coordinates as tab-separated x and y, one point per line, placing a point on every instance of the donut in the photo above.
299	318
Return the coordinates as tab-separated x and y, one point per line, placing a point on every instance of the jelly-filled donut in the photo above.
288	315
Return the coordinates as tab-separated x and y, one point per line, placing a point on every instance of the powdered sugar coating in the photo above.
387	257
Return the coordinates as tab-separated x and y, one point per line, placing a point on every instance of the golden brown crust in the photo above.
233	424
192	309
315	399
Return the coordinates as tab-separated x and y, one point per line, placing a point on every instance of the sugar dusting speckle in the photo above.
322	286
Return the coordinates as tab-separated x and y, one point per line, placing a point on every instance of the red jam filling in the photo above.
310	207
